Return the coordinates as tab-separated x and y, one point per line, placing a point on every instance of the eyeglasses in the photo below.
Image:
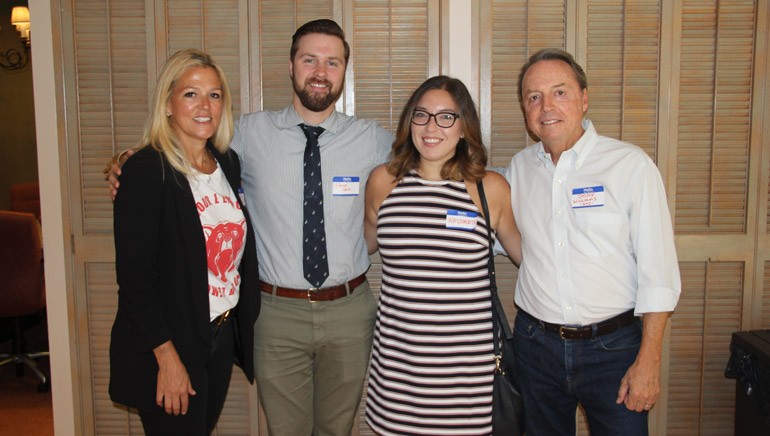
443	119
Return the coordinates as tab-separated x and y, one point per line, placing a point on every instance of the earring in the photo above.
168	114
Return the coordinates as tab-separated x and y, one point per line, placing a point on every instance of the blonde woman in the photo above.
185	257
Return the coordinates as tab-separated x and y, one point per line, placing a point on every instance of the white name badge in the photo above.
459	219
345	186
592	196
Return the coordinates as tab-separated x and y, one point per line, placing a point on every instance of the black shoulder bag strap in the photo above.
499	320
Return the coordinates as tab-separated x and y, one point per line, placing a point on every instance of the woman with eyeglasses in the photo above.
432	359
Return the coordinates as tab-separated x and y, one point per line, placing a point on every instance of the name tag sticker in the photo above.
345	186
592	196
459	219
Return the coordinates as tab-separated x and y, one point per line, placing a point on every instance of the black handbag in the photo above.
507	404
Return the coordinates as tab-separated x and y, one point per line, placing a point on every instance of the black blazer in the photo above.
160	261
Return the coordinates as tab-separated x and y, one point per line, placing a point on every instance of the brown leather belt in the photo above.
587	331
315	294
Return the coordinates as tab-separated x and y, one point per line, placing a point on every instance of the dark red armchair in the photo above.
22	290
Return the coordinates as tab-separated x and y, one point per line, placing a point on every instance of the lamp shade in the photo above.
19	15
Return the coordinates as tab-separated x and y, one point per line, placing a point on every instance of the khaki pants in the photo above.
310	361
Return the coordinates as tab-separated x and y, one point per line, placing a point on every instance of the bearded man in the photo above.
314	333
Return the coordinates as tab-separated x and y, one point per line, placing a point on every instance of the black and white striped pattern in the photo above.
432	364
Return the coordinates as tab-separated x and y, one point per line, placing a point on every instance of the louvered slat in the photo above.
622	69
714	116
277	22
222	41
519	28
766	298
390	52
110	49
102	306
211	27
700	398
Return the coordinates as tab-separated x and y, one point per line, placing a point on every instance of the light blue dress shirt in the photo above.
271	147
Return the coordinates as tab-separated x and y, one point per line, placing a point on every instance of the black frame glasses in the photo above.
444	120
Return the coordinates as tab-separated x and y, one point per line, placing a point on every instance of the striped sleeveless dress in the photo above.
432	360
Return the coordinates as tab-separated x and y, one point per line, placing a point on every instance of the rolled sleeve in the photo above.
659	281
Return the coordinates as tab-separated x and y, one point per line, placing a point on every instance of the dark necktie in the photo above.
315	265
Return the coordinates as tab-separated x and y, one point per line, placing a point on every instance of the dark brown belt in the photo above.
315	294
586	331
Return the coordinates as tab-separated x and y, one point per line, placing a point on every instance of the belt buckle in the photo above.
223	317
310	292
563	328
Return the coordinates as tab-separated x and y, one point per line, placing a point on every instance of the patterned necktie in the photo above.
315	265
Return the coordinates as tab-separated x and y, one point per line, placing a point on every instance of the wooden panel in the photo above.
518	29
390	55
110	64
714	116
211	27
109	419
765	320
278	19
239	414
700	398
622	67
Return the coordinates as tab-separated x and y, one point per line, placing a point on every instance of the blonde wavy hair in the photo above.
158	132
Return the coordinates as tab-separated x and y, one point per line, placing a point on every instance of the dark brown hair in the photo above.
470	157
322	26
553	54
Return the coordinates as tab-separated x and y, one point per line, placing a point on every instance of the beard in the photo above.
316	102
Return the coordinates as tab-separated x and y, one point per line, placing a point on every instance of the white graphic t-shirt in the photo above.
224	228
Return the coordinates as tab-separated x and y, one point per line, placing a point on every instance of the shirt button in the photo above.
558	212
559	244
567	307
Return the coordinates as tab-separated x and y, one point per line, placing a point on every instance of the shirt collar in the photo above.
581	149
585	144
290	119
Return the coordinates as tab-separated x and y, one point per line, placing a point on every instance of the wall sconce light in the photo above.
20	19
13	59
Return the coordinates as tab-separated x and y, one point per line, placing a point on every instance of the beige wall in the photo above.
17	114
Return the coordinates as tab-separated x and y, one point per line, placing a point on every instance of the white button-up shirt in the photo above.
597	238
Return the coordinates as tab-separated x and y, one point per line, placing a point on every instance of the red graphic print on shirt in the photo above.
223	241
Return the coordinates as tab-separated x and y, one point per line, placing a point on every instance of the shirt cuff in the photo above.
658	299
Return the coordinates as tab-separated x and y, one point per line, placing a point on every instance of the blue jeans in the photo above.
556	374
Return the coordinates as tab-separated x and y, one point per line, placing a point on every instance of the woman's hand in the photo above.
174	387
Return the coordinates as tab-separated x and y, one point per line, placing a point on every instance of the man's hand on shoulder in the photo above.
112	171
